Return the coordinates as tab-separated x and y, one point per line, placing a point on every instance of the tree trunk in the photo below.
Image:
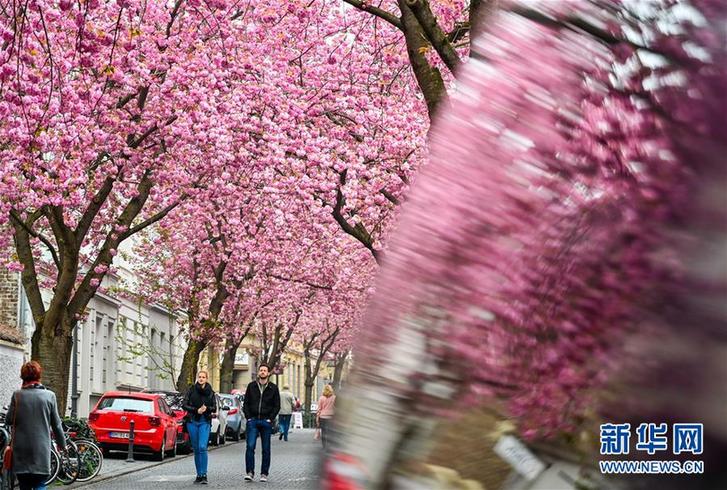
341	360
54	353
428	77
308	395
188	371
308	383
228	366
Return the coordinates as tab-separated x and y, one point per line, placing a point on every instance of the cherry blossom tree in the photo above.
546	231
107	111
319	136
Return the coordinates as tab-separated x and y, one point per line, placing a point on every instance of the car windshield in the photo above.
126	404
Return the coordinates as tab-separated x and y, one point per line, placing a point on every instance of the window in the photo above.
126	404
109	356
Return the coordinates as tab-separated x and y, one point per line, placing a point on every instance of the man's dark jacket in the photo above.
263	404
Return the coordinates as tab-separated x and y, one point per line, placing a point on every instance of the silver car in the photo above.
235	418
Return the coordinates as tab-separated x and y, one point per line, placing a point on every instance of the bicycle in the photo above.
90	454
91	459
69	462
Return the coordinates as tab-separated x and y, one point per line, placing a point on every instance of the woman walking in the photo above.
200	405
33	414
325	411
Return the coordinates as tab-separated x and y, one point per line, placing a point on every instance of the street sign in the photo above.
297	420
519	456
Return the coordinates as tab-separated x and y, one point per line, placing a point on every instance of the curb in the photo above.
125	472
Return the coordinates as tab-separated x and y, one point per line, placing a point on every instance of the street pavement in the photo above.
294	466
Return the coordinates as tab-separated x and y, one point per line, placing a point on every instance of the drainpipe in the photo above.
74	374
21	303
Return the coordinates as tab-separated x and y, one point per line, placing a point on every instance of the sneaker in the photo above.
248	477
281	437
198	479
263	478
203	481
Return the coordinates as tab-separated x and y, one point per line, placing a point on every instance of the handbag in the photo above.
8	452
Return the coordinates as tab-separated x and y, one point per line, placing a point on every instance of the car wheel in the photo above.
236	435
160	455
215	439
174	449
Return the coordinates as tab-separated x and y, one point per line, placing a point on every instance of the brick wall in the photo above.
8	298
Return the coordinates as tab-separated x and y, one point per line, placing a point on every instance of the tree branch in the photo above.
19	221
378	12
391	197
358	232
153	219
93	208
65	238
434	33
28	275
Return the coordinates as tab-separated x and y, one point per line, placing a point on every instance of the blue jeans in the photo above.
32	481
265	429
284	424
199	436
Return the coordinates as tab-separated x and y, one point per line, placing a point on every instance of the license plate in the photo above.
119	435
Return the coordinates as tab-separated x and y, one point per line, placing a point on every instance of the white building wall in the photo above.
11	359
115	347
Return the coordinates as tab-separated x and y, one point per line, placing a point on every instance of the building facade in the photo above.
121	344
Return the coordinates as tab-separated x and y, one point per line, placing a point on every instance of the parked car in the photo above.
240	397
175	400
219	423
155	423
235	417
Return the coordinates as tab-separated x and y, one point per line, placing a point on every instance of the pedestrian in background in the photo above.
200	404
287	404
326	405
33	414
262	404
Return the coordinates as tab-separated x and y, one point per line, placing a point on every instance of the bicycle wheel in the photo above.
70	464
91	460
55	465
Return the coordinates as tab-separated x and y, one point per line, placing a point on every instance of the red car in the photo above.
175	400
155	424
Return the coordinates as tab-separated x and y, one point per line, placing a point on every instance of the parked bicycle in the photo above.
69	463
90	455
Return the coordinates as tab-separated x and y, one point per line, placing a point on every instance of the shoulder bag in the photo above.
8	453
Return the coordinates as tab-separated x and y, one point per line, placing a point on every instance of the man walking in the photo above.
262	404
287	402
